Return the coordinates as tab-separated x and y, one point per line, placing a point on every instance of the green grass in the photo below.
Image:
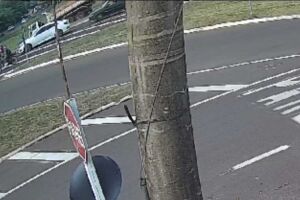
24	125
204	13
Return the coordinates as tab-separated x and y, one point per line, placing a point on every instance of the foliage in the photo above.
11	12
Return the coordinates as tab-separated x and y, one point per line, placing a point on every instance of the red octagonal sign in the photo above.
75	131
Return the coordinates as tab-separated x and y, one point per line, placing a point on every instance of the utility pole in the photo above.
161	100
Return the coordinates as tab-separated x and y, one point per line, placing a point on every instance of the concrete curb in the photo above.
107	106
242	22
194	30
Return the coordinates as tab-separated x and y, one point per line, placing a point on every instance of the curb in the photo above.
242	22
107	106
194	30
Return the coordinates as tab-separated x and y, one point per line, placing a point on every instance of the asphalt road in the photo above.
230	129
246	135
204	50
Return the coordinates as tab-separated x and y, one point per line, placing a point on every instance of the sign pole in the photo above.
61	61
74	124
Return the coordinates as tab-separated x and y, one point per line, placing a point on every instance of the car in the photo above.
107	9
44	34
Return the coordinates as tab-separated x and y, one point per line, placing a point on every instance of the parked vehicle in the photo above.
41	34
107	9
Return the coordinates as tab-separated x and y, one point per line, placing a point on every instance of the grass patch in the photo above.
205	13
26	124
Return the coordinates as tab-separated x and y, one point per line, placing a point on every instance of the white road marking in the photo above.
291	110
243	22
216	88
289	82
297	119
66	161
2	195
112	139
106	120
243	64
47	156
279	97
10	71
287	105
284	83
250	85
260	157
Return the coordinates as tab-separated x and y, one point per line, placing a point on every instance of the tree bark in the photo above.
169	159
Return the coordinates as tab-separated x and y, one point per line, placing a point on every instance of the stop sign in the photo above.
73	123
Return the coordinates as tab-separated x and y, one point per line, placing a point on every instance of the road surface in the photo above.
246	120
204	50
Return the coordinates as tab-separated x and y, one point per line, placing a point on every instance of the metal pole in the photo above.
61	61
250	8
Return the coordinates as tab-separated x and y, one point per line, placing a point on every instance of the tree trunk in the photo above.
169	159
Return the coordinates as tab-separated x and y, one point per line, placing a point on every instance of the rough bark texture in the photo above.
169	161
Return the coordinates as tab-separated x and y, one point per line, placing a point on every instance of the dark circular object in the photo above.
109	175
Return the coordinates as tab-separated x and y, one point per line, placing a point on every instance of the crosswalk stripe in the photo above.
285	83
287	105
279	97
47	156
291	110
2	195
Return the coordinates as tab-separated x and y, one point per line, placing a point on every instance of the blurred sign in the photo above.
74	129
